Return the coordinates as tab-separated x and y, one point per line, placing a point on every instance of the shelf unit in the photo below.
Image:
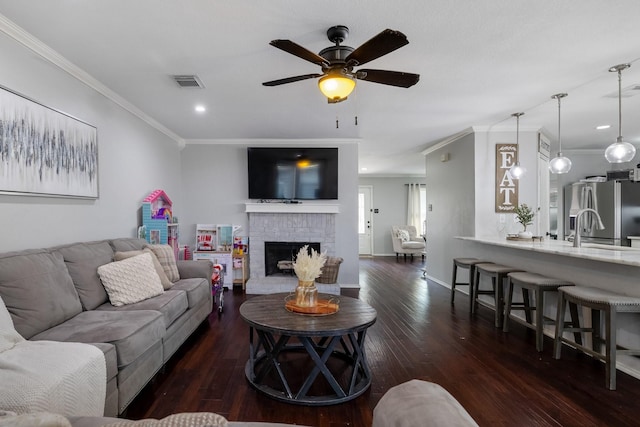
240	269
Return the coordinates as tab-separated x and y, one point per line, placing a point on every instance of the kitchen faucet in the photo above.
578	225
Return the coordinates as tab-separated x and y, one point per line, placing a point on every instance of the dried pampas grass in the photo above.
308	267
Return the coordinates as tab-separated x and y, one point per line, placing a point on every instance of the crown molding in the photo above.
273	141
447	141
17	33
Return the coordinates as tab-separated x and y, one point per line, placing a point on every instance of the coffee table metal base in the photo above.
270	350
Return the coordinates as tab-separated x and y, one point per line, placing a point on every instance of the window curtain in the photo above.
414	215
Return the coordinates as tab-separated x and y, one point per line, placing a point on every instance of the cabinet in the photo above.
240	269
222	258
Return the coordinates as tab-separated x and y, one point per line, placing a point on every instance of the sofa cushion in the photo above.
166	283
124	244
172	304
167	260
130	280
83	260
37	290
196	290
194	419
131	332
418	403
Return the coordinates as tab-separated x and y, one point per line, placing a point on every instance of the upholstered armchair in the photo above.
406	241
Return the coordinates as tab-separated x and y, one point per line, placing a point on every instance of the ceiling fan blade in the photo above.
393	78
291	79
299	51
385	42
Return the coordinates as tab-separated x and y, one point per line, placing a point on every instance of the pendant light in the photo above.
516	171
559	164
620	151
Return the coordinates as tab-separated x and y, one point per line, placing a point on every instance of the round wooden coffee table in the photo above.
288	351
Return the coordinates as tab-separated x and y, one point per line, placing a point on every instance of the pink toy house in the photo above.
157	217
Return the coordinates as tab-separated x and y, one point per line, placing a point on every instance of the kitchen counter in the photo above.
607	267
605	253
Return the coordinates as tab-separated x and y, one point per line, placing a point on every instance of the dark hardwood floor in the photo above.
499	378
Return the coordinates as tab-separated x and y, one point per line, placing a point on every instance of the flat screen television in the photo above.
292	173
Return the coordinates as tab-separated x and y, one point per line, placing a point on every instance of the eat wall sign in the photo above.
506	186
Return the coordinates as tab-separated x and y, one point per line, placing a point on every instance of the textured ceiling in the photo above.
479	61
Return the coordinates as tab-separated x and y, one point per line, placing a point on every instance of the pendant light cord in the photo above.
559	134
620	104
517	116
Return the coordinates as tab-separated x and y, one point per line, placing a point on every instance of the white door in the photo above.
364	220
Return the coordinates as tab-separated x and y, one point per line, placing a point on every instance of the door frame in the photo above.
370	189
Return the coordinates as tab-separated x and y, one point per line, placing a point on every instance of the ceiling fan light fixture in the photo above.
336	87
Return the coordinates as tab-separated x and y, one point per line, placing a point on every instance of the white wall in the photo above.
134	159
390	198
215	186
487	221
450	192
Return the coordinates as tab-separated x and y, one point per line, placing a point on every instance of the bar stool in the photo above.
539	285
598	300
468	264
498	274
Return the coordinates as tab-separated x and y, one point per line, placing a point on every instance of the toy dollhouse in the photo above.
157	219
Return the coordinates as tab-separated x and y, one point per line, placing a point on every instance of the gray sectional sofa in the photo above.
55	294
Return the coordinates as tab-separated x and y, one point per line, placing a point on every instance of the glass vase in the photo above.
306	294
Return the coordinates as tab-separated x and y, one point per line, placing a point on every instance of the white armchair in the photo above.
406	241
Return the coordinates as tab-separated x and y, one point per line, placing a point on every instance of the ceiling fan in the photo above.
338	77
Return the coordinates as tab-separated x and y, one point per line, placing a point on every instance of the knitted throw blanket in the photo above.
46	376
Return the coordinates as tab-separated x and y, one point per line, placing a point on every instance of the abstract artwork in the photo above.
44	152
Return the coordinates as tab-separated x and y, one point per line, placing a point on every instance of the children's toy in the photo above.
157	220
217	285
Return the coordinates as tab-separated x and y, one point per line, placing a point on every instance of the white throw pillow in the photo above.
403	235
166	283
9	337
167	259
130	280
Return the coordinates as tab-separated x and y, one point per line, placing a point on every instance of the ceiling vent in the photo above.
626	92
191	81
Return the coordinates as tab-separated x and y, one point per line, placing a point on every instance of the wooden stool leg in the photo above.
526	302
476	284
507	305
596	325
610	351
472	274
575	322
453	281
557	343
500	299
539	318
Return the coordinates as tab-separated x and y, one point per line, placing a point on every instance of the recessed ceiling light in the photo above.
602	127
364	169
200	108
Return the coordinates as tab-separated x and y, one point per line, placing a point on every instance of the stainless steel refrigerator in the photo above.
617	202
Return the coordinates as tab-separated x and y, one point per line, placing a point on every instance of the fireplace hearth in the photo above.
283	251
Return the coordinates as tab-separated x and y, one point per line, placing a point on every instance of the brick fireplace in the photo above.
285	226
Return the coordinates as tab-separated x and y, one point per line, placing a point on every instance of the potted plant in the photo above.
525	216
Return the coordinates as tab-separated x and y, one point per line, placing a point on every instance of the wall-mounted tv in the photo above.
293	173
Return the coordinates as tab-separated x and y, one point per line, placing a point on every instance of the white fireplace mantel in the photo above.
302	207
